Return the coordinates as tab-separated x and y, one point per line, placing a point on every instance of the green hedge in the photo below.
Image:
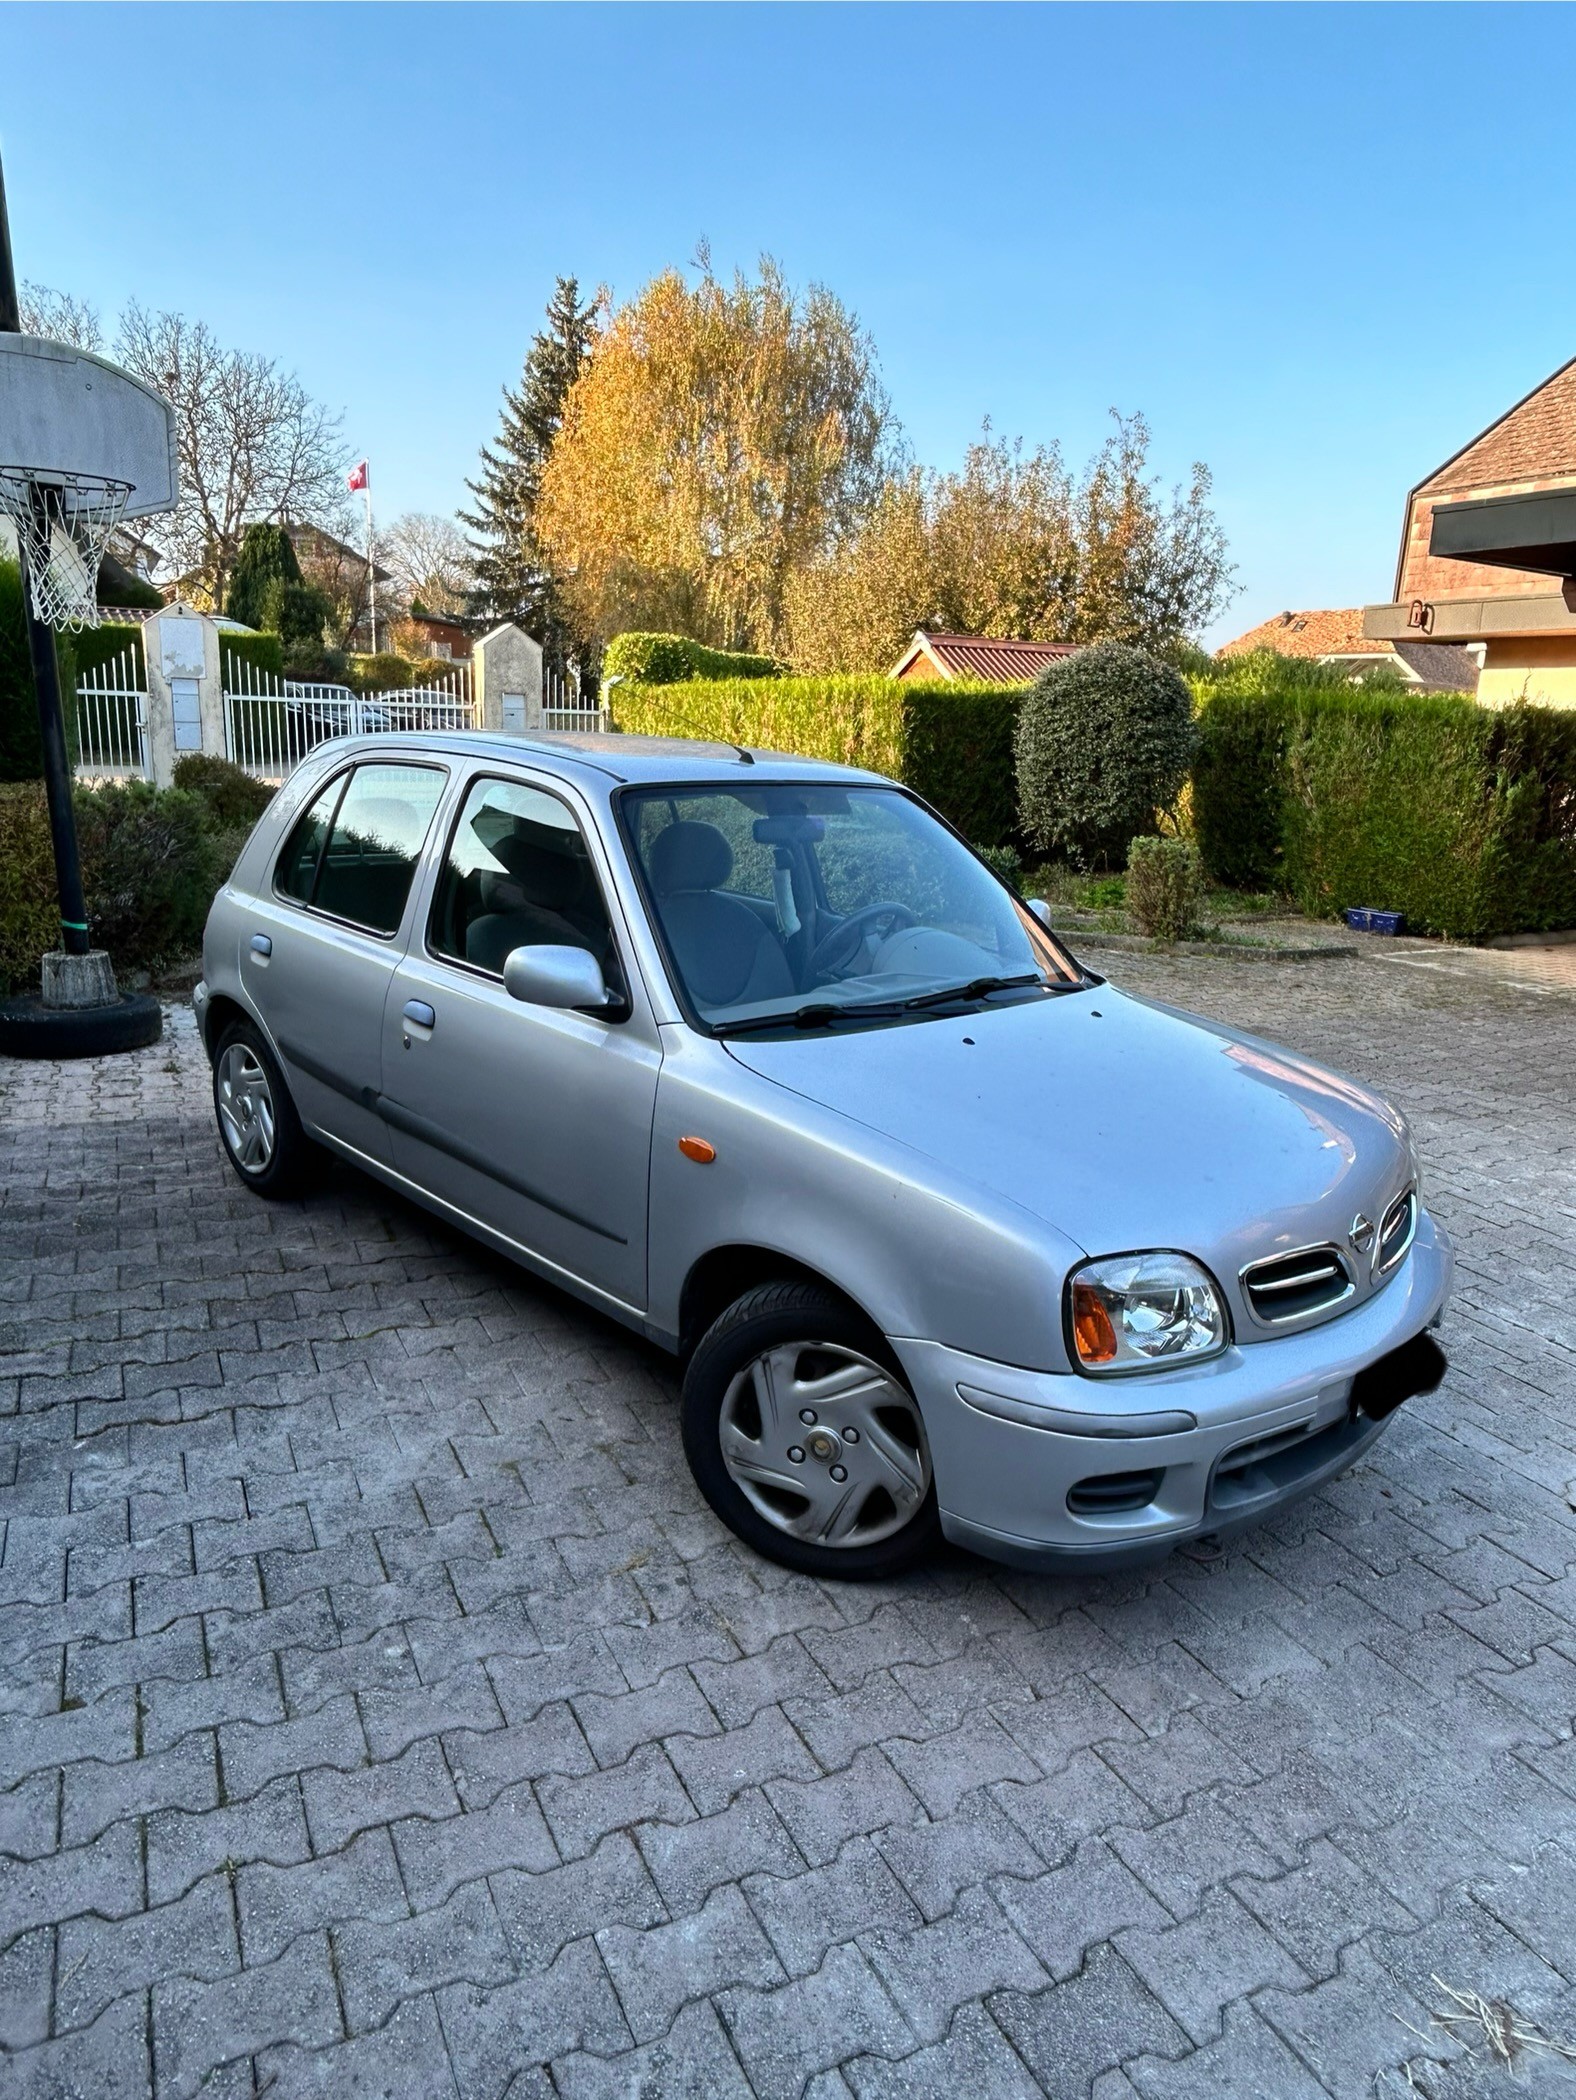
1461	816
673	659
387	672
261	651
21	751
151	862
950	743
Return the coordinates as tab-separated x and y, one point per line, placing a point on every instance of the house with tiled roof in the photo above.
1488	551
1337	637
990	659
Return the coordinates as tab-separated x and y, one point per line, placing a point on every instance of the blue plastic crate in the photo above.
1357	918
1363	919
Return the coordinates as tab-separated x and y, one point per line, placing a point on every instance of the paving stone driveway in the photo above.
382	1713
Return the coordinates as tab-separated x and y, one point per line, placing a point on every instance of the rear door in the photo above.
318	948
533	1121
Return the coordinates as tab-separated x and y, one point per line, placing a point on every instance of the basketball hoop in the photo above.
63	523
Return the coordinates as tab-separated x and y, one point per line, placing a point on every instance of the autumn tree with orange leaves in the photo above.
721	439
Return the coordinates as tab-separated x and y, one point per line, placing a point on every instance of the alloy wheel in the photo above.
246	1108
825	1445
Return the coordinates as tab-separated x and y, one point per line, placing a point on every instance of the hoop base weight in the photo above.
71	982
29	1028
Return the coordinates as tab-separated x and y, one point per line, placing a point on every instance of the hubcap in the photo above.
246	1108
824	1444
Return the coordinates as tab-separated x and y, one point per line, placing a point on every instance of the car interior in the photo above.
517	882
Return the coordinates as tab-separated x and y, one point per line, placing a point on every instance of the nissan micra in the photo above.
755	1056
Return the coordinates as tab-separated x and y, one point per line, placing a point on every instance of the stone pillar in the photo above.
506	666
180	648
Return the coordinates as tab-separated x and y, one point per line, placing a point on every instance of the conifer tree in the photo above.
513	578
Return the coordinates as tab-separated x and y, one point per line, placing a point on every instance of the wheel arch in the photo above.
221	1010
722	1274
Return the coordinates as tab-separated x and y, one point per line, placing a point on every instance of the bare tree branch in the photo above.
254	446
62	317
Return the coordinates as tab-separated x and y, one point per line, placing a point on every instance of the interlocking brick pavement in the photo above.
383	1713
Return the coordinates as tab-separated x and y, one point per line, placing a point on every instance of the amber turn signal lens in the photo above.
1092	1329
703	1154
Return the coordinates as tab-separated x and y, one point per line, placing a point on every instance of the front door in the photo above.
319	948
532	1121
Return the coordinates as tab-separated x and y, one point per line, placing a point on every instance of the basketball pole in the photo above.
46	678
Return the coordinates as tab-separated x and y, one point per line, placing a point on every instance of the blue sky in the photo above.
1319	248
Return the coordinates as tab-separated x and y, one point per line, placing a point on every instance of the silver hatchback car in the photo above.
755	1056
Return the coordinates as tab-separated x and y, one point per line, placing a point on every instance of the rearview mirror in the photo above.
541	975
1041	910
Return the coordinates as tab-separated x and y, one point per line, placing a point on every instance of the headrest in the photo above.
387	824
689	856
545	875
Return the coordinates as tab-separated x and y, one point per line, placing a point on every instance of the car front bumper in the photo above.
1272	1421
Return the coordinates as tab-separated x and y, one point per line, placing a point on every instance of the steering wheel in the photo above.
842	943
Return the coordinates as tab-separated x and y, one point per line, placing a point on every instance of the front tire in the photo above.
261	1132
802	1434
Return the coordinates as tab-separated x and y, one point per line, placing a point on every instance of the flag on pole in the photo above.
358	478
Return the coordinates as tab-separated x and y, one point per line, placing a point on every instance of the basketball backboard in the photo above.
66	412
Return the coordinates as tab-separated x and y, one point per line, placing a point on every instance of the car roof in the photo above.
669	760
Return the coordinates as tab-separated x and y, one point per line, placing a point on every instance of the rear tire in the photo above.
803	1435
258	1125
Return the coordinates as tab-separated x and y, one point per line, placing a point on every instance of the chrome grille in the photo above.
1291	1286
1396	1233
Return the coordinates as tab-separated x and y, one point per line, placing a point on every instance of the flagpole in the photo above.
372	578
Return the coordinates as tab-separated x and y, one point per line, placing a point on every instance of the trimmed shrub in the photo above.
673	659
950	743
1164	883
1005	862
21	749
101	645
261	651
1104	742
29	910
233	799
150	866
1461	816
388	672
957	745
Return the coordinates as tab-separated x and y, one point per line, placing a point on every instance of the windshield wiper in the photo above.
976	988
819	1015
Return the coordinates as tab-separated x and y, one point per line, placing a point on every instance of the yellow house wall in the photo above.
1538	668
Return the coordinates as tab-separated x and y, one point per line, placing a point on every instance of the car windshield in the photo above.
794	904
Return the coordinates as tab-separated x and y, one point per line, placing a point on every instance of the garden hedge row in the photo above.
152	859
1463	817
673	659
261	651
953	744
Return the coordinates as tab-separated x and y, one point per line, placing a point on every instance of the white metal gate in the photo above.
564	705
112	718
270	724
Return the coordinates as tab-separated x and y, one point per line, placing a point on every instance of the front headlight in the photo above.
1134	1312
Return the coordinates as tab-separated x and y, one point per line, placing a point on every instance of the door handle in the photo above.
418	1011
261	944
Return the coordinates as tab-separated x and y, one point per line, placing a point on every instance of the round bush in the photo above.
1105	739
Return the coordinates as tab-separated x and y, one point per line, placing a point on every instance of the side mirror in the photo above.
1041	910
549	976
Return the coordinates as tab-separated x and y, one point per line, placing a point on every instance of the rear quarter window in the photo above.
353	854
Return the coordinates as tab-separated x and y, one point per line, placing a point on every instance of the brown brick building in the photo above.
1488	552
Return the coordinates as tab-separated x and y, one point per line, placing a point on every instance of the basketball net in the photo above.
63	525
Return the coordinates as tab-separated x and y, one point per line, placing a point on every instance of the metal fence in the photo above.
112	718
270	724
564	706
